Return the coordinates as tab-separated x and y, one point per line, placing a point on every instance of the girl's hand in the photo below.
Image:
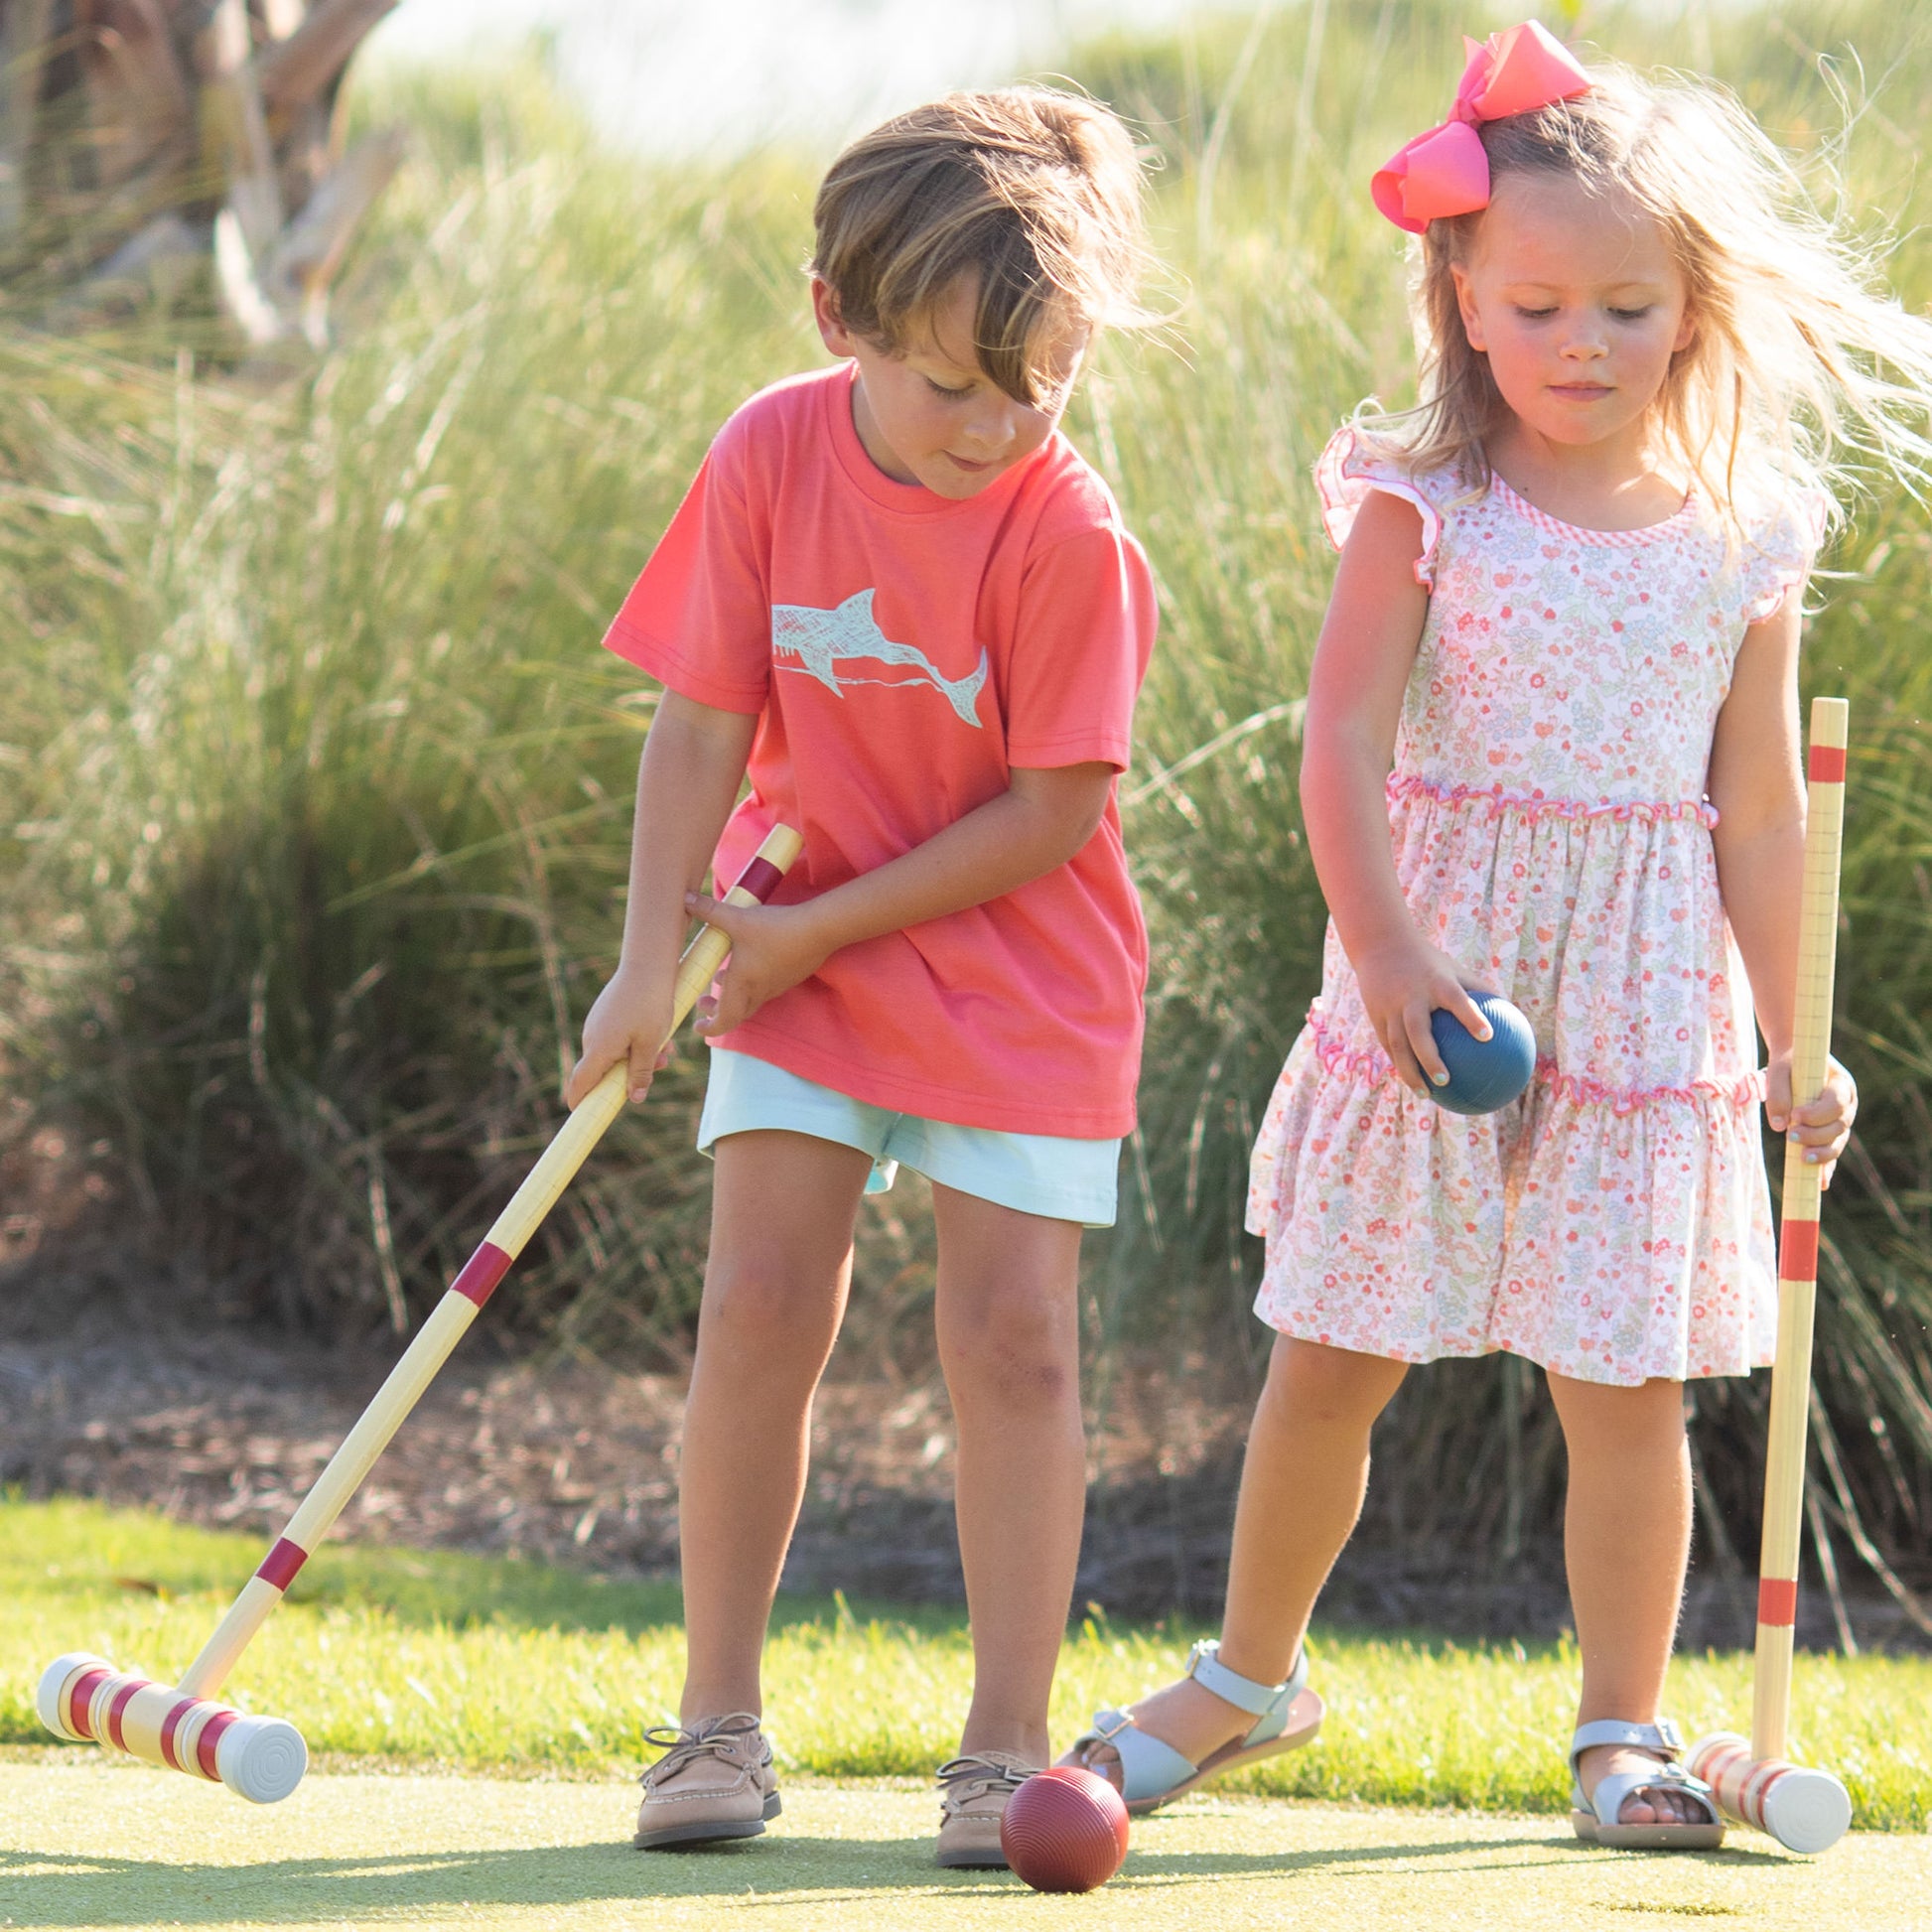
1821	1126
773	947
1402	985
628	1022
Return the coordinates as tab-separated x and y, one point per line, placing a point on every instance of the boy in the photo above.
897	601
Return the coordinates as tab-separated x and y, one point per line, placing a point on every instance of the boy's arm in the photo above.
1041	821
687	782
1754	781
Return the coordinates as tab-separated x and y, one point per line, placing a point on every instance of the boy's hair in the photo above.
1802	367
1034	191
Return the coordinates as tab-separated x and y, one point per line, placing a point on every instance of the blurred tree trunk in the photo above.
177	149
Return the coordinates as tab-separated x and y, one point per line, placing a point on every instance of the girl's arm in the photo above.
1039	822
1362	663
687	782
1755	782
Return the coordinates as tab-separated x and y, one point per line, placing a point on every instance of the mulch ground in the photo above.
577	1464
573	1464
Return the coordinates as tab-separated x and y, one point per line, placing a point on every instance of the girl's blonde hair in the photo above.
1034	191
1803	371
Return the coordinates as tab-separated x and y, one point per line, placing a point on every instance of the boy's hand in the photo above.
1402	985
773	947
1821	1126
628	1022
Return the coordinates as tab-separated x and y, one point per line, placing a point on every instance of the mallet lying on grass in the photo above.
182	1727
1804	1809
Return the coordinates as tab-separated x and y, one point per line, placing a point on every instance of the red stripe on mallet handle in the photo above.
264	1757
1804	1809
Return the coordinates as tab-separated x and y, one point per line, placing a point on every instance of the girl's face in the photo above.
929	414
1579	304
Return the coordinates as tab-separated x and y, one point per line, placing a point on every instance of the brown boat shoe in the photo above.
973	1794
714	1781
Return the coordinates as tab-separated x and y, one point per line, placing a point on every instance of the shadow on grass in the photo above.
72	1890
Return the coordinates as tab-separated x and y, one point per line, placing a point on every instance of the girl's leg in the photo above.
1302	1487
1626	1539
775	1283
1008	1327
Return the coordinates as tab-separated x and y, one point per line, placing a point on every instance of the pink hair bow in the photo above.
1446	170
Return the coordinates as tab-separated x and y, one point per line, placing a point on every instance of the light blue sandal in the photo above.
1152	1773
1596	1818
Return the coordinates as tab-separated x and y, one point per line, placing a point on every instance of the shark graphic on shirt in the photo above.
822	641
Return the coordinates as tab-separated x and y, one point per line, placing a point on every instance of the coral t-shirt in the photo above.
902	652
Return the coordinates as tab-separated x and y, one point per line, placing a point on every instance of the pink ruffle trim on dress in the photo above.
1343	489
1745	1091
1638	539
1372	1066
1536	805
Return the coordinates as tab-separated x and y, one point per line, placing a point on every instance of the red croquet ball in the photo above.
1064	1830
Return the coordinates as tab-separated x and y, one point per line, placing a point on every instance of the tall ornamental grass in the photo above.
313	785
318	782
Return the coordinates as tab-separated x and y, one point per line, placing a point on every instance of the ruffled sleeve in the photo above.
1347	471
1779	548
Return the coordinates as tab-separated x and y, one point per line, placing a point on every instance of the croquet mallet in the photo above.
1804	1809
183	1727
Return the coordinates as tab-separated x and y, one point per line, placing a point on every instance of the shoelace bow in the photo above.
682	1749
966	1770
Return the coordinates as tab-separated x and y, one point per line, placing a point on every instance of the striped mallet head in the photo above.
182	1727
83	1699
1804	1809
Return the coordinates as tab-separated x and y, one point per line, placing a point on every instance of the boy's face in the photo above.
929	414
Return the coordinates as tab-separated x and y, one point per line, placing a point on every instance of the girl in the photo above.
1567	614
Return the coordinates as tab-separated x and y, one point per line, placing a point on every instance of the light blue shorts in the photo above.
1059	1179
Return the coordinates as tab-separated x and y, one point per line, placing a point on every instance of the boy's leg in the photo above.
1301	1487
775	1282
1008	1329
1626	1539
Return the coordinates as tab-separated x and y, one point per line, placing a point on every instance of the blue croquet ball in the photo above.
1484	1074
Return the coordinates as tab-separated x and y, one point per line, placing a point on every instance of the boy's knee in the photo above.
1018	1348
766	1306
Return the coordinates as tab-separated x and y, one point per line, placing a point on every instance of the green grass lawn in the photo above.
87	1846
432	1658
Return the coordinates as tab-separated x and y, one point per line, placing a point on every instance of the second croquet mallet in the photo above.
185	1727
1803	1808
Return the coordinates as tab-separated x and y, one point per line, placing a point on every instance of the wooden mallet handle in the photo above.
465	1297
1801	1806
1811	1045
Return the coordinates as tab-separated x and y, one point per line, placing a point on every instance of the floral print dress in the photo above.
1552	836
